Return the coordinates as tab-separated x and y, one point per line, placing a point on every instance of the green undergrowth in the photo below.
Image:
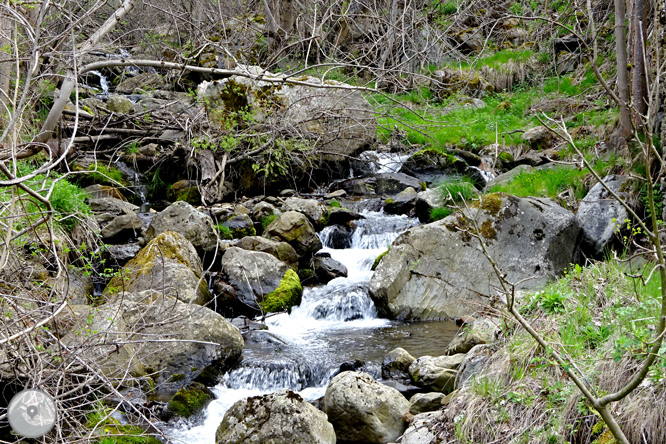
603	321
453	192
496	59
67	199
108	430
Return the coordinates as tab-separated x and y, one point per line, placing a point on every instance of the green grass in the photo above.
545	183
497	59
456	190
110	431
439	213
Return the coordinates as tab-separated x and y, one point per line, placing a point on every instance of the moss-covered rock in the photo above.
240	226
185	190
378	259
287	294
189	400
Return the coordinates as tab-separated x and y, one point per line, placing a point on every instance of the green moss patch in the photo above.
189	400
284	297
375	264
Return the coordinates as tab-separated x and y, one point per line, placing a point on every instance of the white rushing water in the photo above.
301	351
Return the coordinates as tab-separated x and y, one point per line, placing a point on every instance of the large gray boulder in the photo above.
425	402
326	268
362	409
439	271
474	362
186	220
395	364
261	281
436	373
171	341
168	263
338	117
295	229
279	418
111	205
122	228
599	215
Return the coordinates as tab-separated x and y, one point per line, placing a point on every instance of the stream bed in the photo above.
334	324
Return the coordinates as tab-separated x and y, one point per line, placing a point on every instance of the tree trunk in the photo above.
622	72
639	92
660	38
5	63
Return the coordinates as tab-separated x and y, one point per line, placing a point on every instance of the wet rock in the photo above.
339	237
186	220
405	389
263	210
402	203
281	250
436	373
395	364
438	271
425	402
327	268
362	409
144	81
337	194
262	282
279	418
295	229
426	201
599	216
431	166
383	183
120	254
168	263
474	362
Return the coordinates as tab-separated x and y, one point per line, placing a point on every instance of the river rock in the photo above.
395	364
279	418
599	215
507	177
425	402
327	268
111	205
426	201
263	210
168	263
362	409
340	119
342	216
122	228
438	271
185	190
381	183
205	344
281	250
262	282
432	166
474	362
421	430
186	220
313	209
538	137
402	203
119	104
295	229
240	226
436	373
144	81
189	400
119	255
338	237
480	331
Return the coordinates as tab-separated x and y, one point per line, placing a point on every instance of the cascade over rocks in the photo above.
168	263
261	281
362	409
438	271
279	418
186	220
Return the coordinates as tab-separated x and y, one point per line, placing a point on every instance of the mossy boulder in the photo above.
287	295
185	190
189	400
240	226
261	281
295	229
168	263
280	250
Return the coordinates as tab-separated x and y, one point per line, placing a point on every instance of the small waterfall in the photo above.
383	162
139	186
103	82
